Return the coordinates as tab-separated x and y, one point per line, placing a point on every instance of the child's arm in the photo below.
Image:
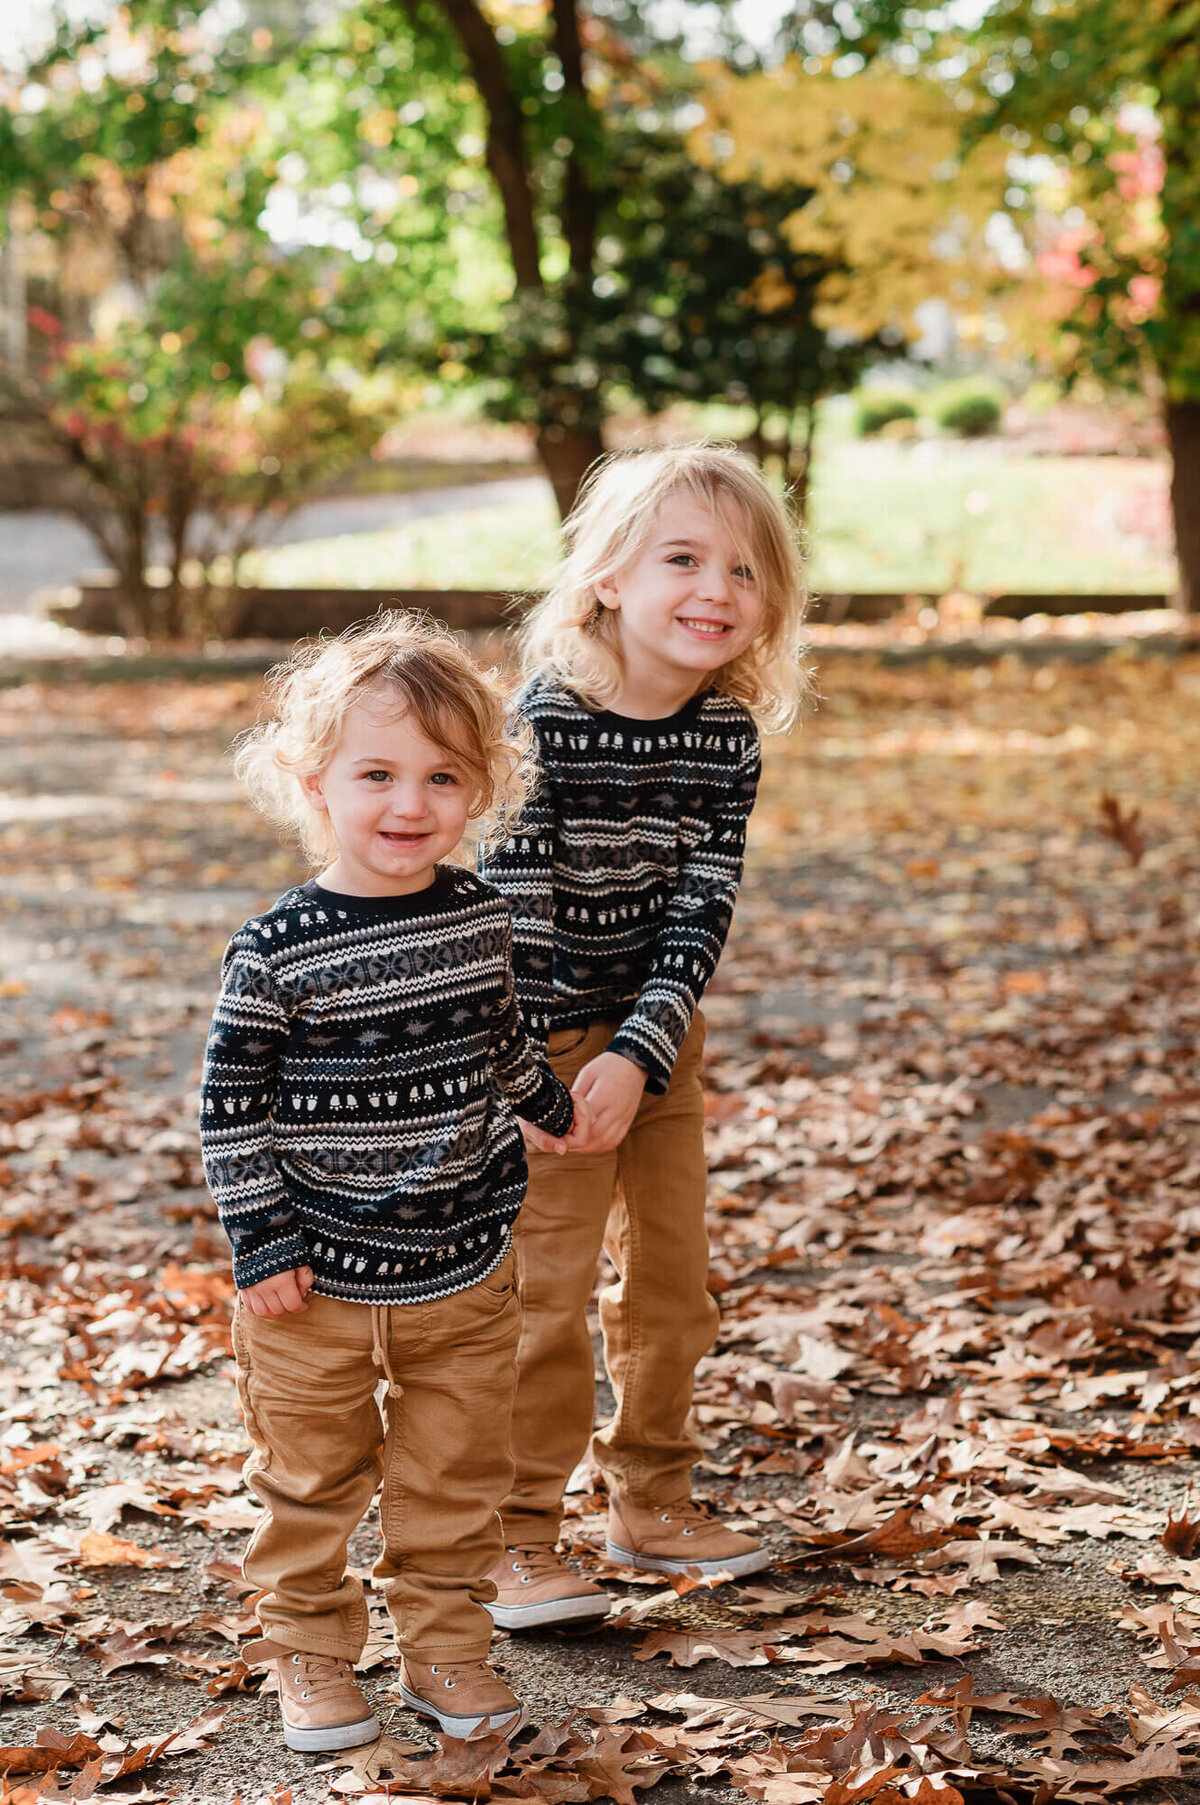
537	1096
241	1075
690	941
522	869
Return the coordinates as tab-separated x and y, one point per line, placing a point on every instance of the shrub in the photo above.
877	408
186	472
970	408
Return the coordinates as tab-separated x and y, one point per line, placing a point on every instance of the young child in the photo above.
672	627
364	1063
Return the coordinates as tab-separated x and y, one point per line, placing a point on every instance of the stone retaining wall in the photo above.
286	614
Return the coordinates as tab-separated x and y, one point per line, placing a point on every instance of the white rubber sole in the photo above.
463	1727
739	1565
323	1737
550	1610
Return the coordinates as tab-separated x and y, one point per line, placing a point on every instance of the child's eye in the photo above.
745	573
681	558
377	776
444	778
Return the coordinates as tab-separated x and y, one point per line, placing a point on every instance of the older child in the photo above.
364	1063
672	627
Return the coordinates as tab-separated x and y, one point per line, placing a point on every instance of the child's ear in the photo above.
608	593
313	791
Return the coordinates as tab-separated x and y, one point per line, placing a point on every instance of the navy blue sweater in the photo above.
625	867
364	1064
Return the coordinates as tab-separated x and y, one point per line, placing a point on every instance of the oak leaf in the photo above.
684	1648
97	1549
1182	1534
458	1769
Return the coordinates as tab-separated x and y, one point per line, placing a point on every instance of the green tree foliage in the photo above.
547	118
377	157
635	271
136	171
1113	89
709	299
1110	93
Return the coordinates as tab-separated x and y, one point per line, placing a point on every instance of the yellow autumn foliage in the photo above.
894	202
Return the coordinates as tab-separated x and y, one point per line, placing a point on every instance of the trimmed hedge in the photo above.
877	408
971	407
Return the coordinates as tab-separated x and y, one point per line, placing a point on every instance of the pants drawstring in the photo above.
380	1336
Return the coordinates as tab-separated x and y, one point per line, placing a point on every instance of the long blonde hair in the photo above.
416	667
569	634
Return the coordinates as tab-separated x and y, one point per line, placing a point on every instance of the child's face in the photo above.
397	803
688	603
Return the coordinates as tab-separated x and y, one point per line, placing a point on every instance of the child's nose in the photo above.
408	800
714	580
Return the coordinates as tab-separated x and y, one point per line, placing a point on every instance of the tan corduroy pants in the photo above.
307	1383
644	1203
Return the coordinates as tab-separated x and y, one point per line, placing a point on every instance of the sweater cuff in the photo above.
658	1072
269	1260
551	1107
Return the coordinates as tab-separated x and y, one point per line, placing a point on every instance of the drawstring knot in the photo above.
380	1336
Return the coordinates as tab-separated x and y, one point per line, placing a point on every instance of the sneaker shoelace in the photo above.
315	1674
539	1560
463	1670
688	1515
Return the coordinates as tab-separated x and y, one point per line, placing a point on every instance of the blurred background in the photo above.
308	304
302	300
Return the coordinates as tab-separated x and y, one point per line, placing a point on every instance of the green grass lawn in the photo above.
884	517
498	547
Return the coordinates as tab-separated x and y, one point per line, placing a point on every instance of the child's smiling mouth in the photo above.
708	629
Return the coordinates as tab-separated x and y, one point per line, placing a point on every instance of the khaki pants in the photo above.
307	1383
645	1204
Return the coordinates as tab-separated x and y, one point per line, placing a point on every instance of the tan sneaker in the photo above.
465	1698
679	1537
321	1704
534	1585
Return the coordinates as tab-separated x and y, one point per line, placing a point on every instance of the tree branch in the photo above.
506	154
579	197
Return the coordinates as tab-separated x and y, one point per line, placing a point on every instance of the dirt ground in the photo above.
955	1142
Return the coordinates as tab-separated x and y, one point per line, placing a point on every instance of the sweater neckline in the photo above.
416	902
683	717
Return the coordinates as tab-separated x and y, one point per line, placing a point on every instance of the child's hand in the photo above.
537	1137
579	1140
609	1088
576	1140
279	1295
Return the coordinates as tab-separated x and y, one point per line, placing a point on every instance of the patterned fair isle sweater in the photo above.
625	866
364	1064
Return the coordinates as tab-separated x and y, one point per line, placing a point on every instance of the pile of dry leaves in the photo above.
955	1139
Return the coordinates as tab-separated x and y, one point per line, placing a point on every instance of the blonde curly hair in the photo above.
407	662
569	634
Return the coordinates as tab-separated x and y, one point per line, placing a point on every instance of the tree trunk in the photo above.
756	442
568	452
505	154
139	599
798	471
1183	435
568	440
580	201
182	496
